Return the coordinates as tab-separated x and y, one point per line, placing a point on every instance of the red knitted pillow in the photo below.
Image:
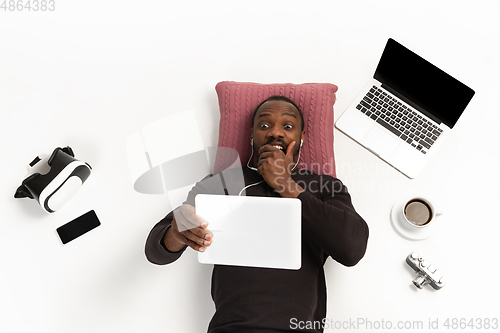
238	100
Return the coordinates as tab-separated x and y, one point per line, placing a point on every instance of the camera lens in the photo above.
420	281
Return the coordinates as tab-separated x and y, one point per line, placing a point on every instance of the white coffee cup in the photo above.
419	212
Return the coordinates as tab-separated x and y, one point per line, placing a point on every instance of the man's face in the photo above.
276	123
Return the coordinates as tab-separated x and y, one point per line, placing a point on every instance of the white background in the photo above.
91	73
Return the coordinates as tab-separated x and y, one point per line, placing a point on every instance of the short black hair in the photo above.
280	98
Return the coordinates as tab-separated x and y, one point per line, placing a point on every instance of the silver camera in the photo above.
426	272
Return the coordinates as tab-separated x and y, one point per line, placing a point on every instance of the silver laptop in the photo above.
252	231
405	112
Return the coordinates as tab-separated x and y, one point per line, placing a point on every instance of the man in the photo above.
249	299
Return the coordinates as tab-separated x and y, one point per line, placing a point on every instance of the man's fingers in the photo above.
267	151
263	157
202	234
195	246
192	228
195	238
266	148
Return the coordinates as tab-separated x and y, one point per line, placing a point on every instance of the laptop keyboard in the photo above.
401	120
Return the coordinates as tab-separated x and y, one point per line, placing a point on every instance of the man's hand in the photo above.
187	229
276	167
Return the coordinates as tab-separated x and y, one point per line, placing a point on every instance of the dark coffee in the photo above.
418	212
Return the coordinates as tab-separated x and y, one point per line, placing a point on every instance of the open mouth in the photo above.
280	146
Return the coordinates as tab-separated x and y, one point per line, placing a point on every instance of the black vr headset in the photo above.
56	187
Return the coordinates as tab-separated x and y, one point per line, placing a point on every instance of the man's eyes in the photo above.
265	125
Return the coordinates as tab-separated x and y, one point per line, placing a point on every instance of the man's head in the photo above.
280	98
277	121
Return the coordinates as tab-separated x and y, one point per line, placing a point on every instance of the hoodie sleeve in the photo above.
155	250
331	221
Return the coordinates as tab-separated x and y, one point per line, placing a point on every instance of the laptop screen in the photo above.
421	84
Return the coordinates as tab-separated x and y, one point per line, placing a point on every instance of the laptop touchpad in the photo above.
380	142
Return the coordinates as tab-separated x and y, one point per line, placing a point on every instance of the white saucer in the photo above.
405	229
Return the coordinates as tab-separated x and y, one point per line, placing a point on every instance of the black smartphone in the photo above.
78	227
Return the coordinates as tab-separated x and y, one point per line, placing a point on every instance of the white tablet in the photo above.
251	231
